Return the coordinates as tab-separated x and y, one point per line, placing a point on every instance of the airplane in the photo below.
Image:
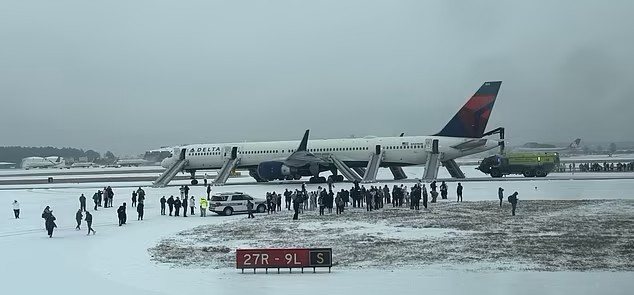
286	160
573	146
40	162
132	162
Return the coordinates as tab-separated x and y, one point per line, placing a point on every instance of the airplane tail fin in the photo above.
303	145
471	120
575	144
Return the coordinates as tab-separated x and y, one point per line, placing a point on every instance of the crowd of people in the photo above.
597	167
323	199
371	198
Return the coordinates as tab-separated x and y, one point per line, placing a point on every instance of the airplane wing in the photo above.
471	144
301	156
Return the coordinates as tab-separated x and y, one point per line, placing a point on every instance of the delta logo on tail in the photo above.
471	120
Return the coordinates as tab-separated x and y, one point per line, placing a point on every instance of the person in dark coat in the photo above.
322	204
297	201
459	192
95	199
46	213
100	196
177	206
432	186
501	195
133	198
78	218
89	223
110	196
330	200
170	203
250	209
139	211
82	203
121	214
434	196
50	223
425	196
163	201
184	204
513	201
186	190
443	190
416	197
208	192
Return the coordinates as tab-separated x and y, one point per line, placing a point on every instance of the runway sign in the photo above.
283	258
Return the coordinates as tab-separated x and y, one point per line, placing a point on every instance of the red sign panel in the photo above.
283	258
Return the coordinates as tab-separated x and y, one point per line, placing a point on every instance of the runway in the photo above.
144	177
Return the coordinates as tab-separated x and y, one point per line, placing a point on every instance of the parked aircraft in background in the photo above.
572	147
40	162
358	159
132	162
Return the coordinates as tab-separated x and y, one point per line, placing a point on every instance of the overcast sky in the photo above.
128	76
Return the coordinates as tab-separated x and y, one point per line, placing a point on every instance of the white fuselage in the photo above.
355	152
39	162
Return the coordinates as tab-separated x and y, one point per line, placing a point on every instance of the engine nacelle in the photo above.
272	170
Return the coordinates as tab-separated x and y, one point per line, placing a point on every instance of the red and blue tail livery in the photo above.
471	121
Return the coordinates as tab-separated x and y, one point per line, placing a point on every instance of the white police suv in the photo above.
234	202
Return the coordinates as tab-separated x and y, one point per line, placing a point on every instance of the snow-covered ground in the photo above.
546	235
117	261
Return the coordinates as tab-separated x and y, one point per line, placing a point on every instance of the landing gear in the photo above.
318	179
335	178
193	177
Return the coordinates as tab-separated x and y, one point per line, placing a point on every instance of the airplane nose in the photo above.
166	162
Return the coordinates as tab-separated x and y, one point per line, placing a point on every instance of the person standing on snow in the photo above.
443	190
513	201
50	222
16	209
133	198
140	195
121	214
208	191
163	201
78	218
170	204
140	210
82	202
203	207
500	195
89	223
192	204
250	209
459	192
177	206
297	201
184	203
95	199
46	213
425	196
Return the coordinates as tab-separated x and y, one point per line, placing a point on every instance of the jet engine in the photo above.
272	170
